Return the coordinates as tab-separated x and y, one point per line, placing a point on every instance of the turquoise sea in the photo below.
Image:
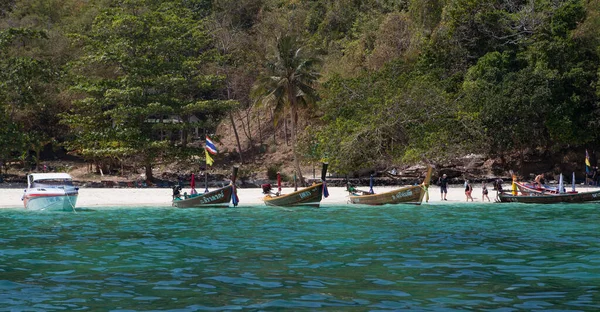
453	257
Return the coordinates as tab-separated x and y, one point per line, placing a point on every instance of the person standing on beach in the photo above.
443	182
468	190
484	192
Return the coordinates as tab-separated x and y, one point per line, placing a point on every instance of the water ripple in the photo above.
432	258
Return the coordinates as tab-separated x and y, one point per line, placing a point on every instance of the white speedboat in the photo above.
50	191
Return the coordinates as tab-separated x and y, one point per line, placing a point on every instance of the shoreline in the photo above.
161	197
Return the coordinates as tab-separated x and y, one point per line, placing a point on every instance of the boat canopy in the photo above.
49	176
49	179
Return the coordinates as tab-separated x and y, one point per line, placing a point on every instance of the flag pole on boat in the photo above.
193	185
323	178
295	183
206	181
278	183
209	148
234	197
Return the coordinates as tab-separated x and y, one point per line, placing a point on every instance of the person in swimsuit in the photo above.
484	192
468	190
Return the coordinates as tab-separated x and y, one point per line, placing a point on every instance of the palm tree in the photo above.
288	84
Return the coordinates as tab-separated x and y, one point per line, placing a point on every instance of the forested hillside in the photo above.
359	83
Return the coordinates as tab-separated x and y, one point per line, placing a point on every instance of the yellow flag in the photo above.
587	159
209	160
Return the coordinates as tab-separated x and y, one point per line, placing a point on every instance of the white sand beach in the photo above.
161	197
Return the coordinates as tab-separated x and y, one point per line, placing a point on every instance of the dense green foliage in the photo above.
399	81
142	75
288	84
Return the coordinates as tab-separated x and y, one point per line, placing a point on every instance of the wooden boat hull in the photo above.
214	199
310	196
550	199
406	195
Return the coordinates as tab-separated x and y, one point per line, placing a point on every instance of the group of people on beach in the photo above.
591	176
443	183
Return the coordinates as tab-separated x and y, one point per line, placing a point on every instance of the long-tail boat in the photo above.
309	196
209	199
406	195
534	188
536	198
545	195
527	188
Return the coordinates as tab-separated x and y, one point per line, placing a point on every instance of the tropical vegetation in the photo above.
362	83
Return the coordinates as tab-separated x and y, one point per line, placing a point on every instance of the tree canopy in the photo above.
288	83
144	73
399	81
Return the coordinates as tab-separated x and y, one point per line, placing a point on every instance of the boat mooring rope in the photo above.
71	203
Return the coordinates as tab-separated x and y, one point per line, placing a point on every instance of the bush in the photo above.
272	172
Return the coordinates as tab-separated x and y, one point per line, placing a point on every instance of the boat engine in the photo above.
266	188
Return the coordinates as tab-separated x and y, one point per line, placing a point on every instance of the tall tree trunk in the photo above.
237	137
184	132
246	133
285	130
122	167
274	128
260	140
292	100
248	120
37	158
162	131
149	175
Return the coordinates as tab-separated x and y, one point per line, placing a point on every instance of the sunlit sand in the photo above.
161	197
